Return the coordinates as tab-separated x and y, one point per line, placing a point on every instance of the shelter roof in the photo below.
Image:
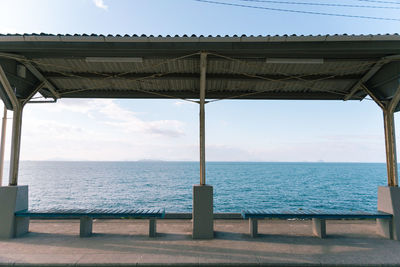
325	67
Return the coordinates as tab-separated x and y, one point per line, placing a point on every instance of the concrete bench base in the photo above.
318	227
253	227
384	227
86	217
86	227
389	202
13	199
384	220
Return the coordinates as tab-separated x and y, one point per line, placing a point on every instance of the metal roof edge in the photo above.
194	38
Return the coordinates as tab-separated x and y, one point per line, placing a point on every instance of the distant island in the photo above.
150	160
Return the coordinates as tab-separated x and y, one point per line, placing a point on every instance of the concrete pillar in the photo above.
389	202
202	214
86	226
12	199
384	227
319	227
253	227
152	228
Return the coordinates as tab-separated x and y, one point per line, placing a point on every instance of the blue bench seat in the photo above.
318	218
86	216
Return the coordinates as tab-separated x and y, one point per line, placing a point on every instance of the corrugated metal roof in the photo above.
43	37
237	66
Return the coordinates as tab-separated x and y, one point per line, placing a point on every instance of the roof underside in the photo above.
330	67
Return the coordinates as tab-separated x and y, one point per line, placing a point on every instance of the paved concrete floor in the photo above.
124	242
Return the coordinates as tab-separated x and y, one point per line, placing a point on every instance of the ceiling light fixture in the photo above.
295	60
114	59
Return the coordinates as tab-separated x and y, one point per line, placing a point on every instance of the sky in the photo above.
258	130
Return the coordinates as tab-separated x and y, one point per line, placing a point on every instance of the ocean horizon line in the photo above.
193	161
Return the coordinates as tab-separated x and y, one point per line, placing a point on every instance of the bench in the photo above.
318	218
86	216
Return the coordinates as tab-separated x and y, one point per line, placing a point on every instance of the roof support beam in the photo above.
41	85
149	75
211	94
34	71
377	101
41	78
369	74
395	101
7	87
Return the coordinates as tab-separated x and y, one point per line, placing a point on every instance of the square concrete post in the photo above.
389	202
12	199
202	214
319	227
86	226
253	227
385	228
152	228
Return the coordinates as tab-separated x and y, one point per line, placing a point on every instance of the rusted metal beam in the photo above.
369	74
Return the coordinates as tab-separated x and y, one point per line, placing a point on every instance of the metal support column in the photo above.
16	128
202	209
15	144
3	144
390	143
388	108
203	70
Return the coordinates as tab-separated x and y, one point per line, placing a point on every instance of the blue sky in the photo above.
168	129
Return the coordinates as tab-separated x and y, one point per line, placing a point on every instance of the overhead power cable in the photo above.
383	2
297	11
319	4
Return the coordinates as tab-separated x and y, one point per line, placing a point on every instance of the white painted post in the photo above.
3	144
15	145
16	130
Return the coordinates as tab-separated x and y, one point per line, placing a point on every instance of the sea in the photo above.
237	185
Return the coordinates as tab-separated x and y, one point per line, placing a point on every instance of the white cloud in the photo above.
98	129
128	122
109	113
100	4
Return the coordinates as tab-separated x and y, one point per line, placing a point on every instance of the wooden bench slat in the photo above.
321	215
93	213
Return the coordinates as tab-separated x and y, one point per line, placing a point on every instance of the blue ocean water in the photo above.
237	185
